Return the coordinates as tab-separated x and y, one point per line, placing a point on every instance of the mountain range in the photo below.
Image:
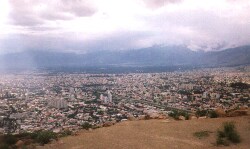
152	56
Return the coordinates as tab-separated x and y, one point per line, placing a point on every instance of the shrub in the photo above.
220	134
229	133
201	134
45	137
175	114
147	117
4	146
221	141
200	113
186	115
86	126
234	137
213	114
228	127
65	133
9	139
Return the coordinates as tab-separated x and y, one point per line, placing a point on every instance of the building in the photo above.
58	103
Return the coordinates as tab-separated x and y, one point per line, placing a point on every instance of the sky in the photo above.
87	25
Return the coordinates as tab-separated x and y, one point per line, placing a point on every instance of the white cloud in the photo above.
208	24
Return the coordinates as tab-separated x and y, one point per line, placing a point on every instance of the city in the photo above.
33	101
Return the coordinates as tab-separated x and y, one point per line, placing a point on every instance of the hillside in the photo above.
155	134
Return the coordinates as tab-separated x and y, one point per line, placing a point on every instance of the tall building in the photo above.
109	96
58	103
101	97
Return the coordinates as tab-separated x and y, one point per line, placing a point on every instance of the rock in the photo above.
90	129
193	117
202	117
107	124
153	115
220	112
237	113
162	117
166	121
19	144
141	117
131	117
181	118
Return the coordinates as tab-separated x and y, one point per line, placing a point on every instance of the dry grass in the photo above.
155	134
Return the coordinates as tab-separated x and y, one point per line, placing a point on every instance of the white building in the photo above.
58	103
109	96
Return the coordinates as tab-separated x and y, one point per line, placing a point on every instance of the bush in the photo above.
213	114
228	127
175	114
147	117
86	126
200	113
186	115
9	139
4	146
220	134
201	134
45	137
65	133
221	141
229	133
34	135
234	137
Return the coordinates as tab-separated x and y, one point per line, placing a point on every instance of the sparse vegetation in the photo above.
147	117
86	126
4	146
201	134
65	133
229	133
208	113
213	114
176	114
44	137
200	113
8	141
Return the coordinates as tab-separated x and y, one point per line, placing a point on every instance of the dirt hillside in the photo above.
155	134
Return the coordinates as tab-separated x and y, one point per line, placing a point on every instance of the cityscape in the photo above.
35	101
124	74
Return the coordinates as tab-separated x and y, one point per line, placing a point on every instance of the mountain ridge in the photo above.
151	56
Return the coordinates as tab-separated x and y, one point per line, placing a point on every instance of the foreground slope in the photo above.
155	134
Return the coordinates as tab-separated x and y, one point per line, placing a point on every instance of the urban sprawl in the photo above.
35	101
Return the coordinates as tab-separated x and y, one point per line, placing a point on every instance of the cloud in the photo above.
79	8
218	26
154	4
70	42
77	25
31	13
